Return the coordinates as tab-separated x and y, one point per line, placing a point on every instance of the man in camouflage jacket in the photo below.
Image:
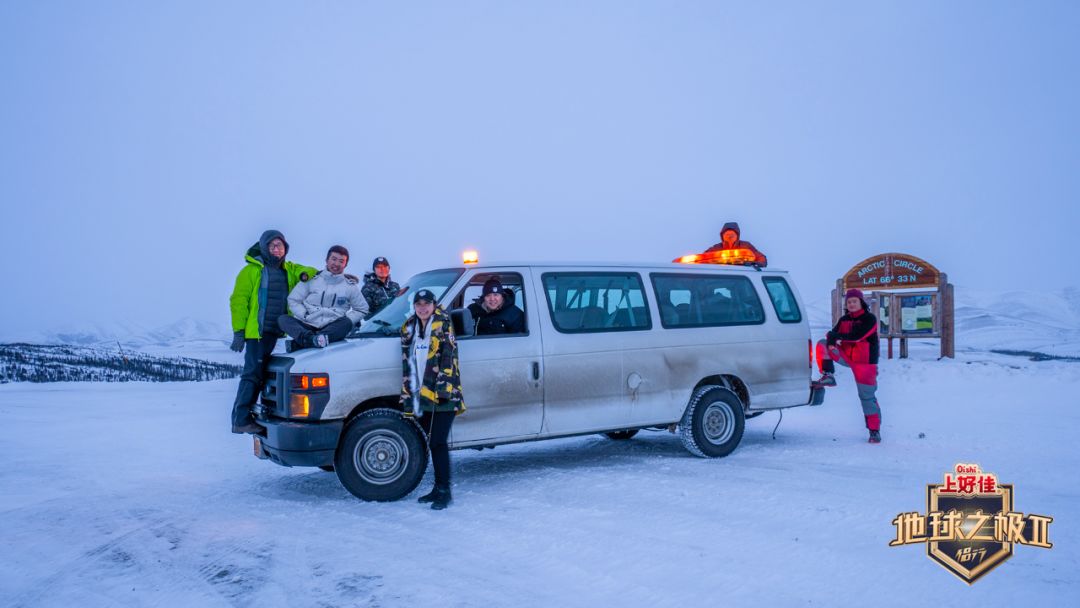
378	289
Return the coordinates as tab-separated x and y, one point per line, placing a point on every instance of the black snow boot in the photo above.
430	496
251	427
826	379
442	497
875	437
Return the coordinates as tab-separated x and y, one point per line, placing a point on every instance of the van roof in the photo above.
609	264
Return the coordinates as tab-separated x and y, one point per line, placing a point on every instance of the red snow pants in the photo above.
865	380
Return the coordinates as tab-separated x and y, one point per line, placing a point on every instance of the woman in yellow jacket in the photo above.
431	385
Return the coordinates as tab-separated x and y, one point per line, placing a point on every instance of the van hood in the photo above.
352	355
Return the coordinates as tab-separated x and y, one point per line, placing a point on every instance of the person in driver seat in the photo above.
494	311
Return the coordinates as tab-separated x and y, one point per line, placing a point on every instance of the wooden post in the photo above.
903	348
948	320
838	301
890	347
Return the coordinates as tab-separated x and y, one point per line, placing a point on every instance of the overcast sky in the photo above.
145	145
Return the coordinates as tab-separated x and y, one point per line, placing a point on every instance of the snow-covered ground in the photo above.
137	495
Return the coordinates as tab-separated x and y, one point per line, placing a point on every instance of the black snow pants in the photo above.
303	333
437	426
256	357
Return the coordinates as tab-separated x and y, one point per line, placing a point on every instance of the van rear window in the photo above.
697	300
582	302
783	301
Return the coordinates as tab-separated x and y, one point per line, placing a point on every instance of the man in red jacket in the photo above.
853	342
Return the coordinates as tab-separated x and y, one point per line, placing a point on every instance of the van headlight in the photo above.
299	406
308	395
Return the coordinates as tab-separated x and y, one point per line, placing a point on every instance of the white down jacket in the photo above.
326	298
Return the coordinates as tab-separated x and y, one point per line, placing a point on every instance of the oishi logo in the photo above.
970	526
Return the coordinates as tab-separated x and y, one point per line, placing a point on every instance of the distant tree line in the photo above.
21	362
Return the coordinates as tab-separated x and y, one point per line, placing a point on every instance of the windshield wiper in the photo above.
384	327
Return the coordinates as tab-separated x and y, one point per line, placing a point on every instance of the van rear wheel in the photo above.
713	423
382	456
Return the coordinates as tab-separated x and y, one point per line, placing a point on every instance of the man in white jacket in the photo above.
327	306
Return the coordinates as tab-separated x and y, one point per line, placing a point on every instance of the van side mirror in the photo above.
463	321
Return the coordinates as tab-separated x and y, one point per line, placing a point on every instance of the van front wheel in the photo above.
382	456
713	423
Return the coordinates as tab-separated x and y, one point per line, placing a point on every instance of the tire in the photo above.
329	468
621	435
713	423
382	456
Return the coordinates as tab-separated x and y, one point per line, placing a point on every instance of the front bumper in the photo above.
298	444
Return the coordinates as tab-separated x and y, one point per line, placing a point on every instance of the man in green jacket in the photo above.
257	301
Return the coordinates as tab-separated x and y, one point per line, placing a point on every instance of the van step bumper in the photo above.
299	444
817	394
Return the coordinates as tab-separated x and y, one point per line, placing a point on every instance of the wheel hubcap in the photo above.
381	457
718	422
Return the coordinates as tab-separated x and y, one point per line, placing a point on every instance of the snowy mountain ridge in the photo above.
135	335
71	363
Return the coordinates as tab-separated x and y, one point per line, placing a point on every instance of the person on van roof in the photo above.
853	342
494	312
258	300
731	238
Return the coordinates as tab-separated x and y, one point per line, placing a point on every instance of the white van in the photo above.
608	348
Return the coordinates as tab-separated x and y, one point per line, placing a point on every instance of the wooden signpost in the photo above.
909	296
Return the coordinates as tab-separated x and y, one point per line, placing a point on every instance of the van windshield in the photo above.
388	321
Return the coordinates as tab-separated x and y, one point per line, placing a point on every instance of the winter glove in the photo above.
237	342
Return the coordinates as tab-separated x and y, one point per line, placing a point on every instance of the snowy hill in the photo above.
1044	322
66	363
186	337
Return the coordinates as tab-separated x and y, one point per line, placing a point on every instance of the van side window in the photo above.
513	296
596	301
698	300
783	301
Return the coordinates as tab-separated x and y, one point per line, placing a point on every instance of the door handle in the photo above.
536	371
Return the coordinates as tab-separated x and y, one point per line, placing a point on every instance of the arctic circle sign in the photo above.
892	271
909	296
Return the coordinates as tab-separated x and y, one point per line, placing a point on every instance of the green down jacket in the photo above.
244	301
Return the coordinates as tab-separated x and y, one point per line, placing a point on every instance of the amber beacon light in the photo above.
725	256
